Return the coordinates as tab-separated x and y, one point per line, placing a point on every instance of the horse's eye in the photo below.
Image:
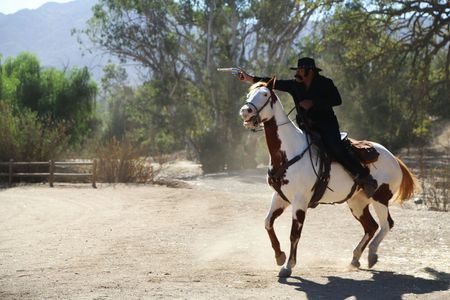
265	94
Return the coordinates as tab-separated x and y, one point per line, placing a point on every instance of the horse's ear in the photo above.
271	83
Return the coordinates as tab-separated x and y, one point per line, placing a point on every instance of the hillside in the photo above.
46	32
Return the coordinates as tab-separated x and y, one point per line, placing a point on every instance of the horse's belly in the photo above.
300	178
301	183
340	185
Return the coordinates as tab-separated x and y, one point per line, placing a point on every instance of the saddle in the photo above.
363	150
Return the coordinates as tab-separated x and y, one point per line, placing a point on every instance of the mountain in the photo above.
46	32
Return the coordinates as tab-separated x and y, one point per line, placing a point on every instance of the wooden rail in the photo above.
51	170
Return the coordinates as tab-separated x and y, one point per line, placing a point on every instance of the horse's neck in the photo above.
282	135
279	113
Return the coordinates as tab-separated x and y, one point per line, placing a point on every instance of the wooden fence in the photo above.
51	170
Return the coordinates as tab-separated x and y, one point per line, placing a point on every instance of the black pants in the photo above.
331	138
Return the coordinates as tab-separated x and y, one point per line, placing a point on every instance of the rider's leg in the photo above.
334	145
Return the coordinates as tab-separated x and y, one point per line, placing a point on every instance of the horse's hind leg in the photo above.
381	197
276	209
359	206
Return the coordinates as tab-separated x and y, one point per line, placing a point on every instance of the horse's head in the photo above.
258	108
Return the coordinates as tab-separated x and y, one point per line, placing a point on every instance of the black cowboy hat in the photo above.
306	63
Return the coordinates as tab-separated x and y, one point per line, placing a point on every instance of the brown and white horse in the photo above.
285	142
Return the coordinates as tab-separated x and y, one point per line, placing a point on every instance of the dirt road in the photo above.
203	240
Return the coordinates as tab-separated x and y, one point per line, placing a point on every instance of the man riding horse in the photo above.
314	96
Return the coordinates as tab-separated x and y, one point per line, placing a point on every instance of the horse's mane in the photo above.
257	85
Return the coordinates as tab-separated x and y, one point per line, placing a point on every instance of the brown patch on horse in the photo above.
277	157
368	223
274	241
273	238
296	232
383	194
390	221
275	215
300	215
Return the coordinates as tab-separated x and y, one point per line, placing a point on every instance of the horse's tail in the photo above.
409	186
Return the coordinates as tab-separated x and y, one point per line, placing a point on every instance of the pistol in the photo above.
233	71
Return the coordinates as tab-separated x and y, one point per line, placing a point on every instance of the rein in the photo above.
280	171
277	175
261	129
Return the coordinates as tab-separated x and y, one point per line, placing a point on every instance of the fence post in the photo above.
94	173
51	172
10	171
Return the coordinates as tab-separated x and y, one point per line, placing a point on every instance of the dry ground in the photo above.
203	240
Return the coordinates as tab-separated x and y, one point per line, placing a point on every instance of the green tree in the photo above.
50	95
388	93
381	63
181	43
26	137
22	79
117	96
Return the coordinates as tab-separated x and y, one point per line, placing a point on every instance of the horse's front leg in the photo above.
276	209
298	219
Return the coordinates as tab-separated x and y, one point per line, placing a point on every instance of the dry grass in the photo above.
120	162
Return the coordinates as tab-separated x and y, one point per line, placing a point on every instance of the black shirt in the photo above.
322	92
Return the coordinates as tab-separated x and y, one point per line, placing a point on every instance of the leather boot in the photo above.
368	184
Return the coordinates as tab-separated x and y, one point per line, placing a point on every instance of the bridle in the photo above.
256	119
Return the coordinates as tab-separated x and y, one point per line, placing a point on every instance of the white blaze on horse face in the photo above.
246	112
256	107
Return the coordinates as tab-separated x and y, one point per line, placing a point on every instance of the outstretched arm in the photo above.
280	85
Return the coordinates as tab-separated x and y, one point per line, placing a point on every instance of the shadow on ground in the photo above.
245	176
383	285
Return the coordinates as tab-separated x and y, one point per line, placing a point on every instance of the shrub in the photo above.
119	161
26	137
212	151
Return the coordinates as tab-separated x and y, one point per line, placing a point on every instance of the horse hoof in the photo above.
285	272
373	259
281	259
355	264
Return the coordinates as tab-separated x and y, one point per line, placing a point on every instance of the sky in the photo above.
12	6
